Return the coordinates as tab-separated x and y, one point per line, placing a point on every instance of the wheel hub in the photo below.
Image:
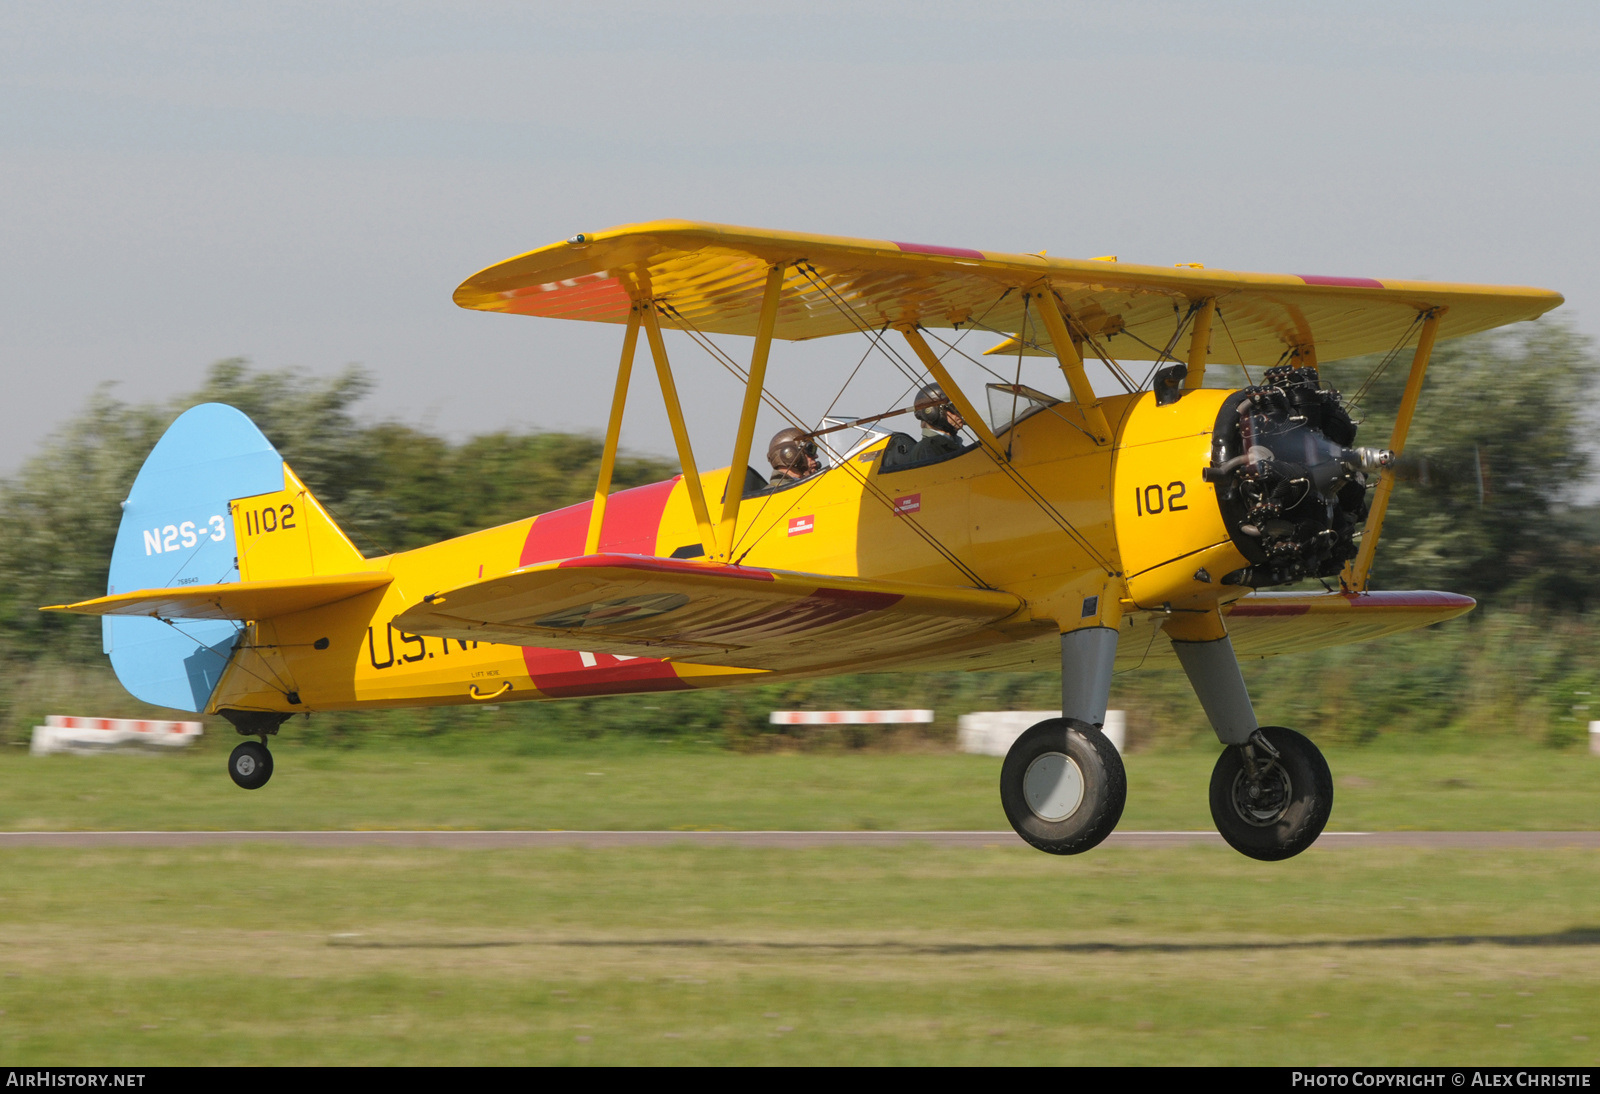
1263	799
245	765
1053	786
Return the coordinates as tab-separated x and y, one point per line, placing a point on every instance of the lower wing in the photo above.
1268	624
706	613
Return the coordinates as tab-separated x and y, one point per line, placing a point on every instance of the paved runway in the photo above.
510	839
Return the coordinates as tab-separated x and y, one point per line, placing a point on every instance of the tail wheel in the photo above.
1271	797
250	765
1063	786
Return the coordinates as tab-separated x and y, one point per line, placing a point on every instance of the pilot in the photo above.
941	426
793	456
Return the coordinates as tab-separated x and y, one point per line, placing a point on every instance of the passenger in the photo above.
793	456
941	427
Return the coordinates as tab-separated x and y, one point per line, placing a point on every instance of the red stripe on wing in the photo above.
1261	604
1341	282
654	565
935	249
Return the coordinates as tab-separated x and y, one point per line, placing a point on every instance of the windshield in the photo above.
843	436
1011	403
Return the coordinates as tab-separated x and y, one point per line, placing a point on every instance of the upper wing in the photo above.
1268	624
713	276
707	613
234	600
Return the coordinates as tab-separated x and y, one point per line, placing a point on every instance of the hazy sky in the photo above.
305	184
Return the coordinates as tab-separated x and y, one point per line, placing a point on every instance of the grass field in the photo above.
837	955
636	784
892	954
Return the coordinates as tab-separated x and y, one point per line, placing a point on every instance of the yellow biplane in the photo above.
1036	530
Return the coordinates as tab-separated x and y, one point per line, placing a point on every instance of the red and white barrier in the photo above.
993	732
849	717
83	736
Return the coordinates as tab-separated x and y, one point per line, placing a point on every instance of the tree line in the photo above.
1495	499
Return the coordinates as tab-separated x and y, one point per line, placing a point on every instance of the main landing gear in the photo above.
1271	791
1063	786
250	764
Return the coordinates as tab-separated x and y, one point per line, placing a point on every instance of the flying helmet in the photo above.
933	407
789	449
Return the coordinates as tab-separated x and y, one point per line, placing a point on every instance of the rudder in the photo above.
196	515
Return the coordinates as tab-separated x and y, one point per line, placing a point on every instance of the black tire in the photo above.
1292	803
1048	810
250	765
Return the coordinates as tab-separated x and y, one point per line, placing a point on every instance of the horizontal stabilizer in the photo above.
712	614
237	600
1269	624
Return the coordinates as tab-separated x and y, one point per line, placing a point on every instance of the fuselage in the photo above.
1136	509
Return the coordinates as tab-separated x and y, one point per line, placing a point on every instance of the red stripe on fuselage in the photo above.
629	528
631	521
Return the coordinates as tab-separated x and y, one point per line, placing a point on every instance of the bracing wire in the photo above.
1118	373
872	345
848	310
1037	497
1028	489
875	337
973	360
1110	362
1237	356
846	385
719	355
1383	366
275	684
1017	383
1164	354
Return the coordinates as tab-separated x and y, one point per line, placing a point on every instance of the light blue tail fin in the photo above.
177	530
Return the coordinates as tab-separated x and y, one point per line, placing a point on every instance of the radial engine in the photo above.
1293	493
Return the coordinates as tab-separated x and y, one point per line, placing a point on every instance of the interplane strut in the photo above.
1359	570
